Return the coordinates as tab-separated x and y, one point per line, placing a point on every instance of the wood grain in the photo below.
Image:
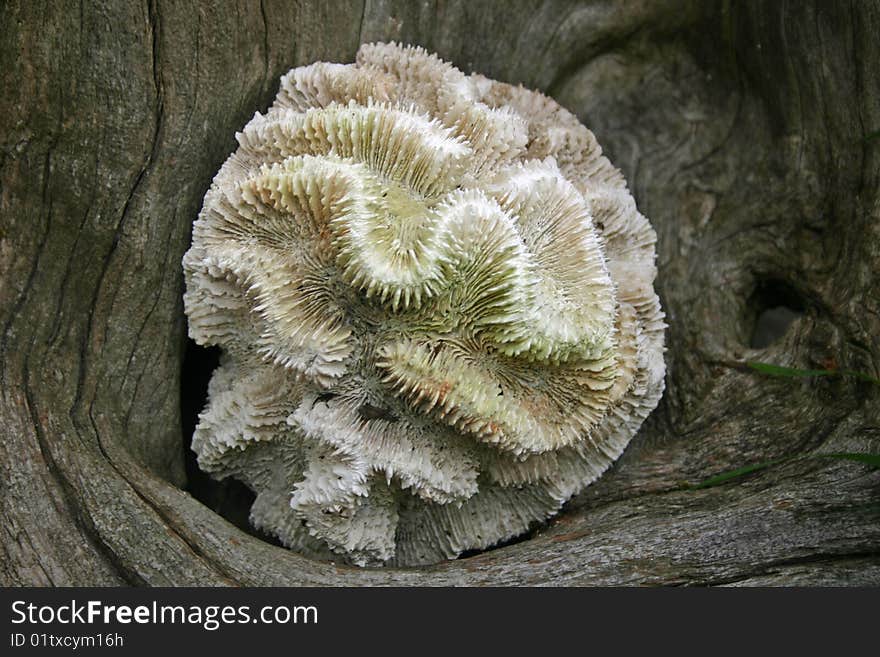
743	131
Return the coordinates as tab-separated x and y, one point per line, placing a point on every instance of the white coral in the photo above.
434	297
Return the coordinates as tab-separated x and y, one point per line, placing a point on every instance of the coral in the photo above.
435	301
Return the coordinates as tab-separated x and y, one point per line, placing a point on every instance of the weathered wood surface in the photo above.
742	130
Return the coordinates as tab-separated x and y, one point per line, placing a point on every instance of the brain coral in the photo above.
435	304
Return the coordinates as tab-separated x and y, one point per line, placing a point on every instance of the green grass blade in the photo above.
862	376
793	372
872	460
868	459
739	472
790	372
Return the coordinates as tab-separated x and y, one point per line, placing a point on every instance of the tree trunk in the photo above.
744	130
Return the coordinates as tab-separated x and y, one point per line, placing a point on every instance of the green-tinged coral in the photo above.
435	301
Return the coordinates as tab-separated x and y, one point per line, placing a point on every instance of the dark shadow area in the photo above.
528	534
775	306
198	365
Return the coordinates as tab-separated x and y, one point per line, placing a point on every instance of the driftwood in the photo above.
744	130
